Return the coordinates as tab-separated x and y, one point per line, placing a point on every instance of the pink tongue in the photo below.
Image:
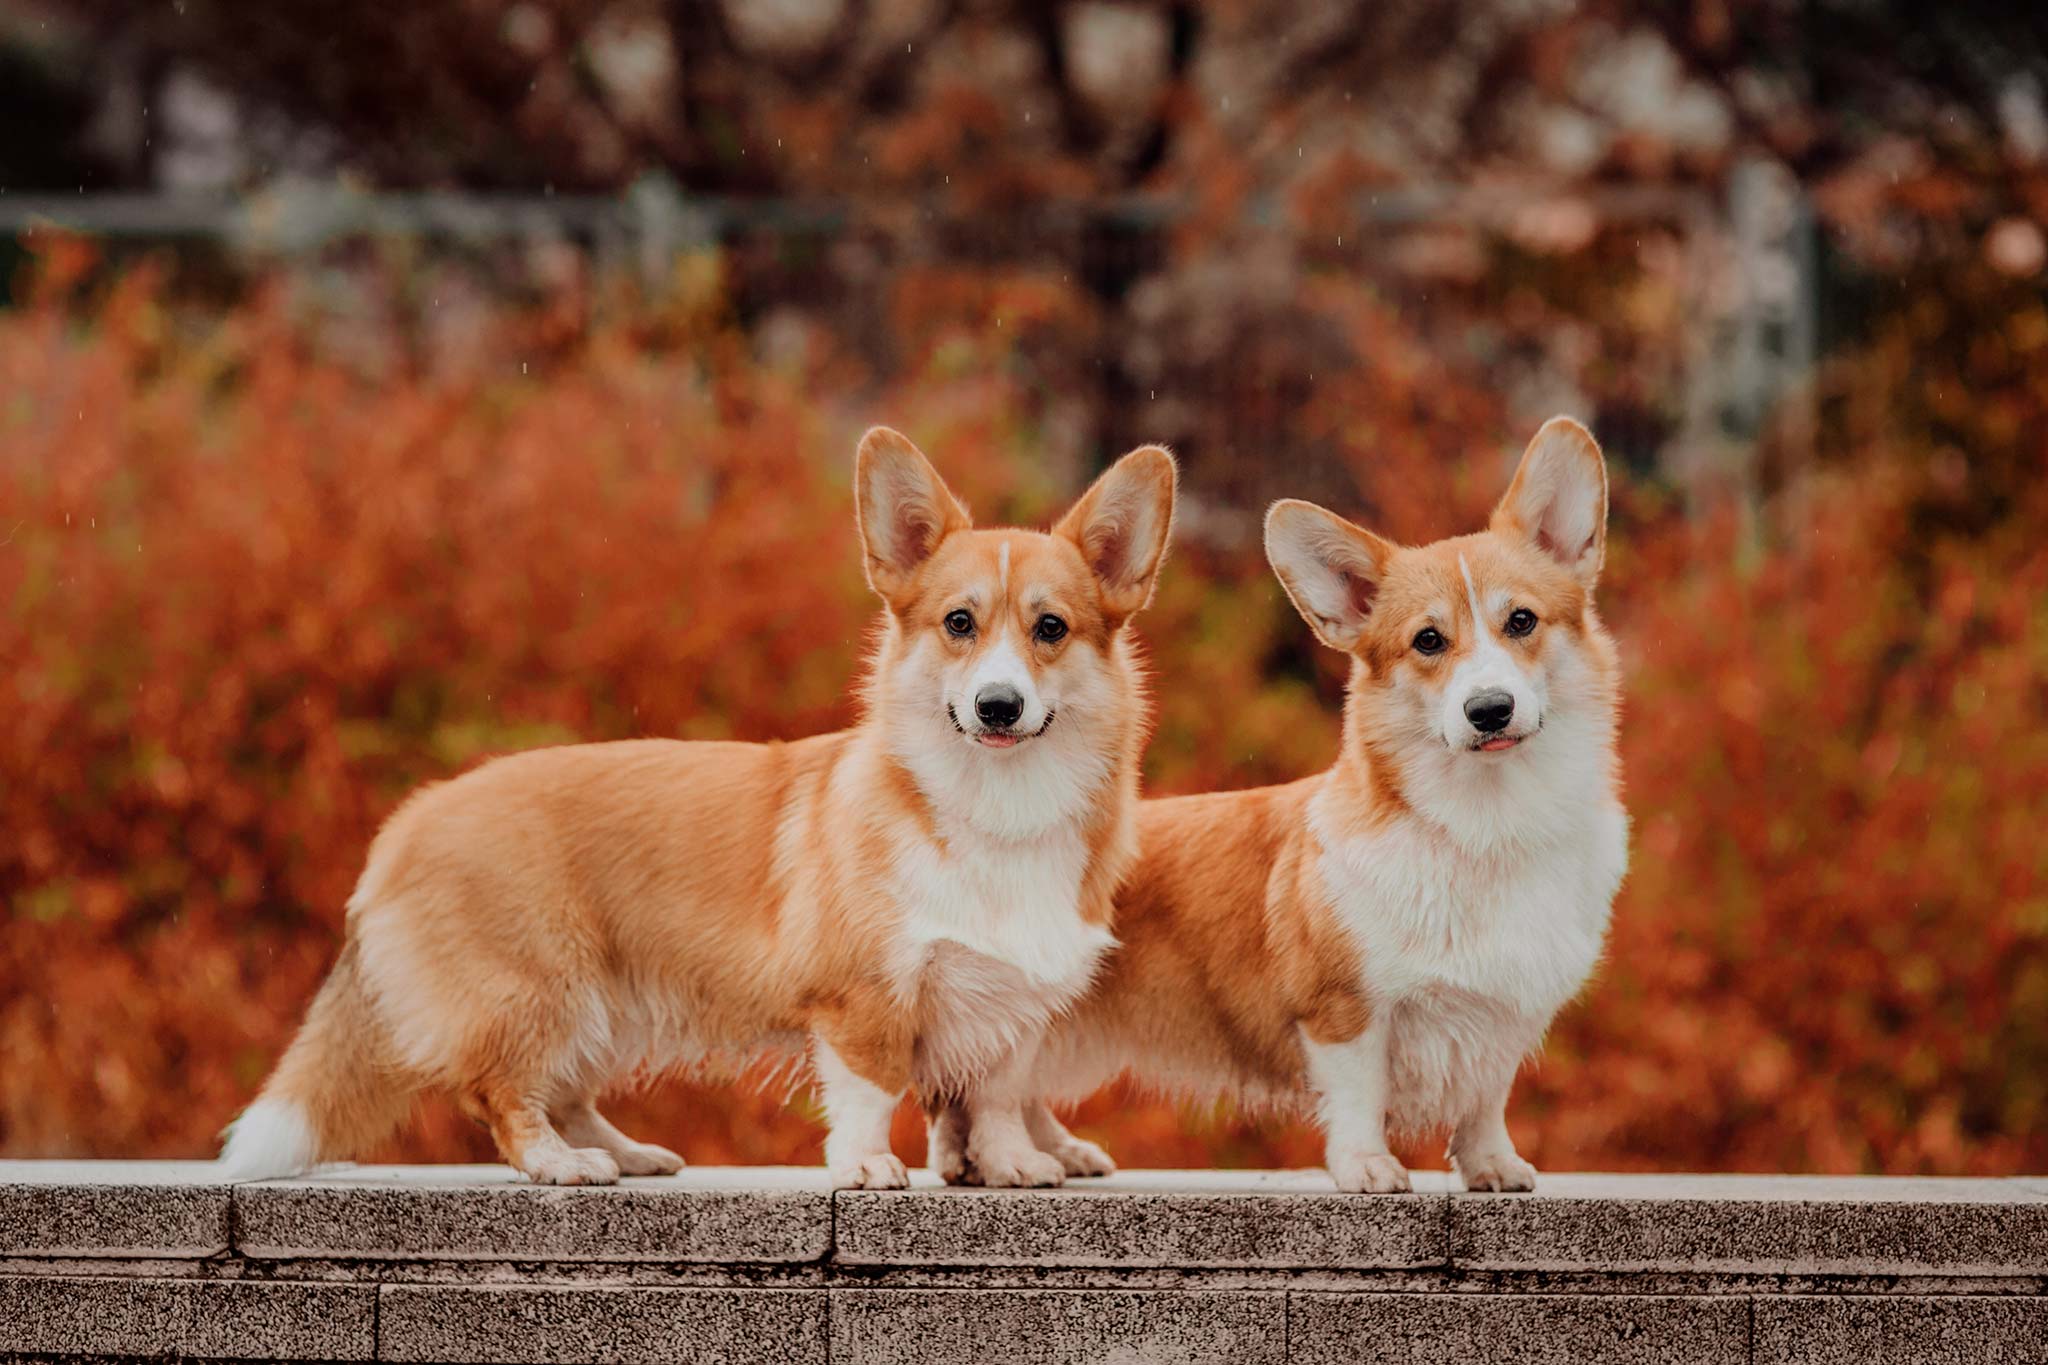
998	741
1494	745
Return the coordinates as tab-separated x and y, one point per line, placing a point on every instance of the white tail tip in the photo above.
270	1139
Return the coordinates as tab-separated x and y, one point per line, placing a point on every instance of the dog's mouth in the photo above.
1502	743
1004	738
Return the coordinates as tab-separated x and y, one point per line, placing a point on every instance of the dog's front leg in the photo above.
946	1143
999	1146
860	1090
1481	1151
1350	1079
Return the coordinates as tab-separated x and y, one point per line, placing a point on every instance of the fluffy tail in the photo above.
334	1093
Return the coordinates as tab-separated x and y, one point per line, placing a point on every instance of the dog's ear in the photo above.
903	507
1559	498
1121	526
1331	569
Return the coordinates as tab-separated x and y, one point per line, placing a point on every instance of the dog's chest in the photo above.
992	944
1472	955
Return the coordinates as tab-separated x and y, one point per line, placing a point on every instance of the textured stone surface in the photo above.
1901	1330
112	1208
491	1213
104	1260
1529	1329
1766	1224
1051	1327
1190	1219
628	1326
211	1318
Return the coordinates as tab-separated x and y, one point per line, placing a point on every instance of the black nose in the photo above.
998	704
1489	711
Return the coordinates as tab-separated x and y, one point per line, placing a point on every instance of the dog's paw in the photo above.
885	1171
1025	1168
1503	1172
952	1166
573	1166
1369	1173
1078	1156
644	1158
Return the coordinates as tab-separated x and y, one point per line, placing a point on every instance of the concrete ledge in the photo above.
491	1213
1187	1219
130	1261
1757	1224
112	1208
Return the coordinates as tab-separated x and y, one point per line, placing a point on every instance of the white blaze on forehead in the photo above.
1003	570
1472	596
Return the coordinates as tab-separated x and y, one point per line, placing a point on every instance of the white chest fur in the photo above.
1471	952
991	943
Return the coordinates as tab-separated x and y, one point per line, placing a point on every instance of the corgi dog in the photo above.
909	900
1385	942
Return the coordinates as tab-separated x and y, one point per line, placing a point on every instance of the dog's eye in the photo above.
1050	629
959	623
1521	621
1430	640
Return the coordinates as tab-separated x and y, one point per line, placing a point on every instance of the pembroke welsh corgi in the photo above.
908	899
1388	940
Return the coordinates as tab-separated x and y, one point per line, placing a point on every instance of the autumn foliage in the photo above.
251	594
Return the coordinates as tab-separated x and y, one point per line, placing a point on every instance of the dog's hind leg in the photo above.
519	1125
582	1125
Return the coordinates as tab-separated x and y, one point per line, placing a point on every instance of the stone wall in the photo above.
129	1260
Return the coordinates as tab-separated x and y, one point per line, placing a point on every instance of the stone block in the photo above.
724	1215
132	1209
639	1326
1889	1329
1528	1329
1186	1219
1057	1327
1802	1225
212	1319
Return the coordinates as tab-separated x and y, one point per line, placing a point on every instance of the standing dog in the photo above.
1391	938
910	899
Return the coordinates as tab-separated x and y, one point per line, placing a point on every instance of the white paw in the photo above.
644	1158
1023	1168
1078	1156
573	1166
1368	1173
1501	1171
884	1171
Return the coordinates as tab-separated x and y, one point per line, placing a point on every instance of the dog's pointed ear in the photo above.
1331	569
1121	526
1559	498
903	507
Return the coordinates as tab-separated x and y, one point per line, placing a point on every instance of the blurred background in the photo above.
387	386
